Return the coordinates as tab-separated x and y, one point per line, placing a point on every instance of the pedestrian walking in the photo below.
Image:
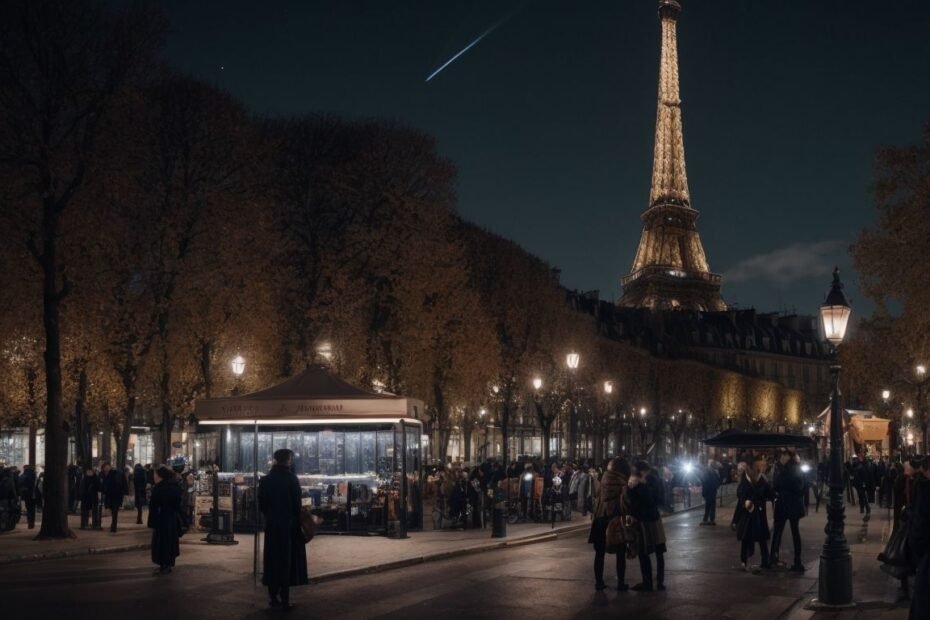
113	485
646	493
139	481
285	558
789	508
753	527
165	520
187	500
29	492
90	498
608	505
710	483
862	481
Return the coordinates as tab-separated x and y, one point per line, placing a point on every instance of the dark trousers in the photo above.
599	565
710	509
747	548
31	513
863	501
795	538
645	565
114	515
89	512
282	593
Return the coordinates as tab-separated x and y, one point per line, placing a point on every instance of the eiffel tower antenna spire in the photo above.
670	269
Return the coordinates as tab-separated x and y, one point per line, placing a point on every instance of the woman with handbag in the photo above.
753	527
608	505
164	520
895	558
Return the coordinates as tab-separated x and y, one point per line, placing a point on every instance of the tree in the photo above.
62	67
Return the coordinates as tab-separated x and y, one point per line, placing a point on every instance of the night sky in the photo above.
550	119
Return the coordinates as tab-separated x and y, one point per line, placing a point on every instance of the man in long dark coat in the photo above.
919	538
789	508
164	513
285	558
114	487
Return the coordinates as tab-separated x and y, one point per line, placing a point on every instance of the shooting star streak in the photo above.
493	27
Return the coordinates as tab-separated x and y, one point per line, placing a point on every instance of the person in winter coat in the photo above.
710	483
90	497
646	492
902	502
861	482
752	493
285	557
113	485
789	507
919	539
608	505
164	520
27	490
138	488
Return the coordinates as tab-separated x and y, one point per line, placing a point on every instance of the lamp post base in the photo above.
834	589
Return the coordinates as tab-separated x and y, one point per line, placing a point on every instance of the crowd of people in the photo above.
167	493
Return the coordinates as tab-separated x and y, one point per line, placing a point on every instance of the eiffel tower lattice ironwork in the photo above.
670	269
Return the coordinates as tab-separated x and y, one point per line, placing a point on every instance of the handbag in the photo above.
896	550
309	523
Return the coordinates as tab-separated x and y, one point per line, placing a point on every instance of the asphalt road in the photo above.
548	580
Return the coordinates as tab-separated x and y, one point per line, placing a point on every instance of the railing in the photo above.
671	273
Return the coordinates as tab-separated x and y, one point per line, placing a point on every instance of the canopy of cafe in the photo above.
314	396
860	424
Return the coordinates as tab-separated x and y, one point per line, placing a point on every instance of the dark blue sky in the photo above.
550	118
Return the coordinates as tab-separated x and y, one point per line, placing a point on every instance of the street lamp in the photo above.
537	384
571	360
608	387
238	365
886	394
835	585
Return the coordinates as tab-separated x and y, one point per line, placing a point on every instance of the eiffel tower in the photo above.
670	270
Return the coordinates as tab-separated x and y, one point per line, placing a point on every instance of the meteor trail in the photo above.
493	27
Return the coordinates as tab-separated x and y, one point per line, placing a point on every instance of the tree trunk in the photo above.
81	444
546	435
443	442
467	434
106	441
55	512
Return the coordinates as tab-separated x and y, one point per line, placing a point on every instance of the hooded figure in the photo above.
164	519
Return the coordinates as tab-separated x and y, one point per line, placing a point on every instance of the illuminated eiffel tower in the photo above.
670	269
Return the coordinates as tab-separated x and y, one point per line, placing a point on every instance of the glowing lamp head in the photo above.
835	311
495	389
527	476
811	429
805	468
642	411
537	383
572	360
921	371
688	468
608	387
886	394
483	412
910	413
238	365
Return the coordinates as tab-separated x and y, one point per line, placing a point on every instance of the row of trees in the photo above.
887	349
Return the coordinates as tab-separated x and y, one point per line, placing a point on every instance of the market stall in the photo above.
357	453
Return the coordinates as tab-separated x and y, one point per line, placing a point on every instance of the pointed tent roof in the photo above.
315	382
314	395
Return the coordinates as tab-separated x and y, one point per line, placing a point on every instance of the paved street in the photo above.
546	580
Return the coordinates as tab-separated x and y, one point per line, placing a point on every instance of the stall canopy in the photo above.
732	438
861	424
315	395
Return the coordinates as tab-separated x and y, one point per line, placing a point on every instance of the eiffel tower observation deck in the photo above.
670	269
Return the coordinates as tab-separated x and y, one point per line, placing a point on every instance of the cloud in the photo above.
790	264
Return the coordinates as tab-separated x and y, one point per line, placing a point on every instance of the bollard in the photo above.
498	515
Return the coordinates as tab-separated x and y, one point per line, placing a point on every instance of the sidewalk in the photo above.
331	556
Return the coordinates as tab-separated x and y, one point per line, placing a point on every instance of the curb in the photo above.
57	555
445	555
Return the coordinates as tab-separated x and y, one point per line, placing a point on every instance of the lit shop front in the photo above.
357	453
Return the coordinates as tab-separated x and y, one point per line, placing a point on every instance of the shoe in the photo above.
622	587
797	568
600	585
642	587
703	523
714	523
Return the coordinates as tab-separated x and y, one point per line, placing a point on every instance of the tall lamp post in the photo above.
605	440
835	584
571	360
238	367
